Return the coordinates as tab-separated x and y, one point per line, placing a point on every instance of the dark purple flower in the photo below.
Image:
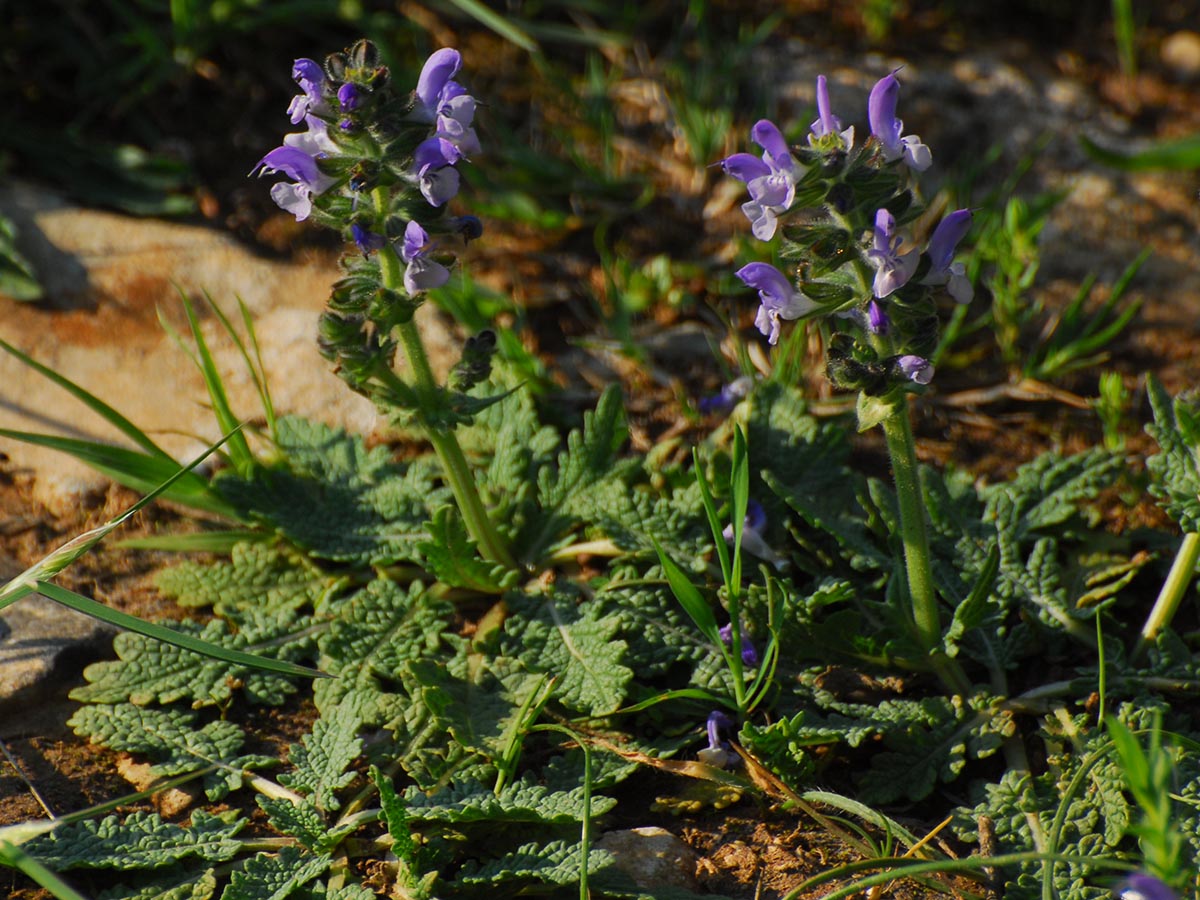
716	754
349	96
827	128
753	539
892	268
778	298
749	653
367	241
468	226
916	368
422	273
311	78
729	396
770	180
942	268
1140	886
881	113
877	319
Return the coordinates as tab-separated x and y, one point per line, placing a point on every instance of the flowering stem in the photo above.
1172	591
445	444
912	525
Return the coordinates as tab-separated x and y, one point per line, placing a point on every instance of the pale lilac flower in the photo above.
881	113
942	268
433	169
749	653
827	123
308	180
1140	886
892	268
729	396
456	112
753	541
715	753
315	142
916	369
422	273
877	319
311	78
779	299
770	180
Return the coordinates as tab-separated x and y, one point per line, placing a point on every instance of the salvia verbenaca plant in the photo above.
841	207
379	164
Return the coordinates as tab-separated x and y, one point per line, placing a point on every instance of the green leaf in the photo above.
451	556
267	877
558	862
304	822
522	801
140	841
1176	469
396	817
176	638
572	642
18	280
257	575
690	598
1182	153
203	887
320	760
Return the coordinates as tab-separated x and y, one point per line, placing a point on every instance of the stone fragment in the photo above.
653	857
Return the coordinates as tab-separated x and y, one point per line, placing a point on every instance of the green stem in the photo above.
445	444
903	454
1172	592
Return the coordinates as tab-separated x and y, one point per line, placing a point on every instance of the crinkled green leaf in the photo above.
149	671
555	863
451	556
1176	469
304	822
256	574
139	841
574	643
521	801
172	741
190	887
320	760
275	877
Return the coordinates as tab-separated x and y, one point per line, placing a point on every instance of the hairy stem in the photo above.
454	464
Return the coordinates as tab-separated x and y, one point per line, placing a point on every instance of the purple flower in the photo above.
441	66
942	268
916	369
881	113
298	160
1140	886
749	653
433	169
753	540
729	396
827	129
456	112
877	319
469	227
311	78
349	96
770	180
367	241
715	753
892	269
779	299
422	273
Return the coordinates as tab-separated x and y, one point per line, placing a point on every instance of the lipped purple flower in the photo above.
441	100
367	241
877	319
916	368
441	66
749	653
297	159
716	754
1140	886
770	180
728	397
888	130
826	131
311	78
893	269
753	541
943	270
433	169
779	299
423	273
350	96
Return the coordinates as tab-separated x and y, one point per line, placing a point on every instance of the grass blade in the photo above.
714	521
197	542
96	610
493	20
94	403
17	858
689	597
1179	154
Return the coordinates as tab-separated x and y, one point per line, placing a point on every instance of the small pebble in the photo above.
1181	54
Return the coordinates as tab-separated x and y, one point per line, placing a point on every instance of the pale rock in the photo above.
653	857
